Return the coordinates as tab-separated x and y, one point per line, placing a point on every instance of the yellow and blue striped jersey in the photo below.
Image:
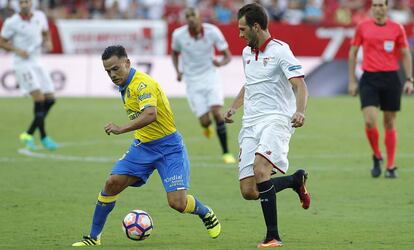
141	91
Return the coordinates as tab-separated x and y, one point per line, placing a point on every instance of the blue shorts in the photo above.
168	155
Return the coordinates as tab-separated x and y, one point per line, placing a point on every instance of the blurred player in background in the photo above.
271	113
157	145
24	34
382	41
194	43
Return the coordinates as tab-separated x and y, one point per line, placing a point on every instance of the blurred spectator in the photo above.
343	14
120	9
96	9
399	11
276	8
154	9
223	12
205	8
6	9
294	13
313	11
321	12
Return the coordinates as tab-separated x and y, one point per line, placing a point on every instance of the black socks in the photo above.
267	195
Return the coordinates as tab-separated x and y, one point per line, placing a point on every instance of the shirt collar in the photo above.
194	35
128	81
26	18
263	47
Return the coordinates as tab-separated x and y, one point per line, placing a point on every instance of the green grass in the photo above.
47	203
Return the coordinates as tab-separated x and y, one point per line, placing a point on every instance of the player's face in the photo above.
25	6
193	19
117	69
248	33
379	9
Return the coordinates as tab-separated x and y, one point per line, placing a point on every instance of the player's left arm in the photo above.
47	41
225	60
221	45
301	92
147	116
407	65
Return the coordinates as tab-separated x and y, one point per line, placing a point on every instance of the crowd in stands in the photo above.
329	12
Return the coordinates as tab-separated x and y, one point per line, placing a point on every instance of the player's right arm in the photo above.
175	55
147	116
352	60
237	103
176	49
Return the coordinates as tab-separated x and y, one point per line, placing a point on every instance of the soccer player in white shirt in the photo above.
25	33
194	44
274	98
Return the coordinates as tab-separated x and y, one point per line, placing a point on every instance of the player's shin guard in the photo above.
373	138
222	134
194	206
48	105
283	182
391	146
267	195
104	206
38	120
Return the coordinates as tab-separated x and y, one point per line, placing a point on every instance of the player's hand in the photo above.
298	119
408	87
216	63
228	116
179	76
353	88
22	53
112	128
48	46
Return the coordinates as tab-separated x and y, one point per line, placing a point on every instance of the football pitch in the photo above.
48	198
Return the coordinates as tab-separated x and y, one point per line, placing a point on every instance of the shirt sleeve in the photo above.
175	42
357	39
219	41
146	95
7	31
290	66
401	41
44	23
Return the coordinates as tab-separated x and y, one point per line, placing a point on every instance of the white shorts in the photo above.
31	77
270	140
202	96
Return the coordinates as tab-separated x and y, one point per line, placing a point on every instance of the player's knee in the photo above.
50	102
260	173
113	185
370	124
205	122
250	194
177	204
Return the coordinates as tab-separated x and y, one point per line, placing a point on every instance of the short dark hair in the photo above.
114	50
254	13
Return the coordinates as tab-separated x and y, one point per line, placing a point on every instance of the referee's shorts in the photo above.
380	89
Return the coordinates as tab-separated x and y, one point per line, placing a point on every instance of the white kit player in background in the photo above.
194	45
24	34
274	98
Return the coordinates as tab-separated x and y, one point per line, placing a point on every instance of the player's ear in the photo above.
128	62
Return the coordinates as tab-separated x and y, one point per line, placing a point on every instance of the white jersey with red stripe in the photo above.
26	35
268	92
197	54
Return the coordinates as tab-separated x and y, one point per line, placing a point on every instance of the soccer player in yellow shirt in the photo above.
157	145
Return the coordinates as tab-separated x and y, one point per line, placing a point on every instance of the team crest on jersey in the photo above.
128	92
265	61
142	86
388	46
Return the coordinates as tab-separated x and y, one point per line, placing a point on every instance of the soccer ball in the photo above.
137	225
